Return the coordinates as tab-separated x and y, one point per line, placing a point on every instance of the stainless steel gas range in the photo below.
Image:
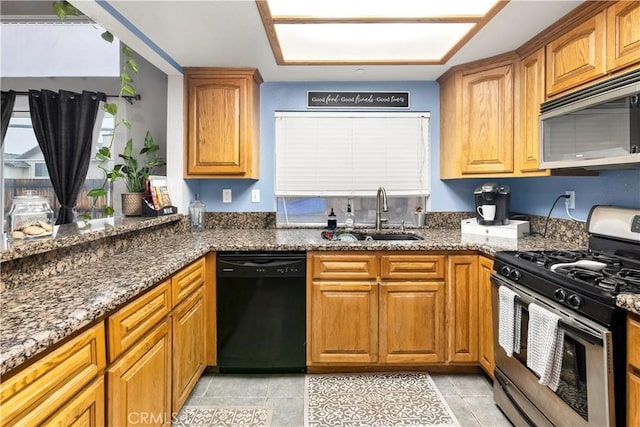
586	347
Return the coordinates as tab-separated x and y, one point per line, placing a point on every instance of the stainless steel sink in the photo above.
403	236
377	236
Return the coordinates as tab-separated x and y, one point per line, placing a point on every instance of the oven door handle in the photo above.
584	334
505	387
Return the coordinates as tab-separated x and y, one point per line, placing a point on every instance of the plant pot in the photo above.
132	204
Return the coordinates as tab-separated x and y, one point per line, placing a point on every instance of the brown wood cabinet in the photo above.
40	390
633	370
623	35
531	95
187	280
343	309
86	409
577	56
130	323
189	346
189	330
157	342
487	120
411	311
376	308
139	383
476	113
222	122
462	308
485	315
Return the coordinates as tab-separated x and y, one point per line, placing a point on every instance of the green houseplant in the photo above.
136	172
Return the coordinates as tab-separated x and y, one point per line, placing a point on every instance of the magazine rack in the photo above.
149	210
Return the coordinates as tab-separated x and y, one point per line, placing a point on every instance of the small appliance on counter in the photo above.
492	204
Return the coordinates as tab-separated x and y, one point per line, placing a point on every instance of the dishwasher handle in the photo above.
261	267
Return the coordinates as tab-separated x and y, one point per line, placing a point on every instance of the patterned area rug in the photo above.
396	399
223	416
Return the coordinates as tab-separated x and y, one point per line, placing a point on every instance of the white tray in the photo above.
513	230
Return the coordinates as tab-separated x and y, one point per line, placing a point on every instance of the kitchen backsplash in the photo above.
48	262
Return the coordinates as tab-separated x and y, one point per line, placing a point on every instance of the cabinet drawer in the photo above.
633	341
187	280
412	267
39	390
86	409
344	267
131	322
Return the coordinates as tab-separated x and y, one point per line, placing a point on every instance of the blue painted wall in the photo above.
529	195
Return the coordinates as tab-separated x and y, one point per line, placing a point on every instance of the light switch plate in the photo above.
255	196
226	195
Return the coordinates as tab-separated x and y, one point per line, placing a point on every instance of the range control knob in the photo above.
560	294
515	275
505	270
574	301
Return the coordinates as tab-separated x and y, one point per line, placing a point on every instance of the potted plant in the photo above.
135	173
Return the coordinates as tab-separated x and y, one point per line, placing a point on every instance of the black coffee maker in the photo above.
490	194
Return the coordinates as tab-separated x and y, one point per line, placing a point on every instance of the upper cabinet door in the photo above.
623	35
576	57
531	96
487	121
222	123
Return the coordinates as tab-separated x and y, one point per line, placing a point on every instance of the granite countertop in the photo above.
37	315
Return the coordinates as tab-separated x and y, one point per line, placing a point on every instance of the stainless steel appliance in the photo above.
261	311
491	193
597	127
580	287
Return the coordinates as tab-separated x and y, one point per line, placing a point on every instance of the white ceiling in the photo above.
229	33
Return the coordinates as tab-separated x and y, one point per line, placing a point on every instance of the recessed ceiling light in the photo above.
341	32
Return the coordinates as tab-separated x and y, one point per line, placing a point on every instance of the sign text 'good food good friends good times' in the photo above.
357	99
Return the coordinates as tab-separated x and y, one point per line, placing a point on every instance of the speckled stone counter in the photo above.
38	314
630	302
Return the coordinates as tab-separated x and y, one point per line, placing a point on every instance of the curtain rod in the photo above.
129	98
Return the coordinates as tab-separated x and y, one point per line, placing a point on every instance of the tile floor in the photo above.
469	396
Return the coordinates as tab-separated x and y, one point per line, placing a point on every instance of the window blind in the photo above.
351	154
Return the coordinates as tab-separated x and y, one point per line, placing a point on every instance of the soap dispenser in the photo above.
332	220
349	220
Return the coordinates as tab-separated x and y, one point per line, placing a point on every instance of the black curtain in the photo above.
63	123
8	99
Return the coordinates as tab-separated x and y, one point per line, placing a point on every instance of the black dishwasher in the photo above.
261	311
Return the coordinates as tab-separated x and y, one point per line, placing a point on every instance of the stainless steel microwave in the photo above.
594	128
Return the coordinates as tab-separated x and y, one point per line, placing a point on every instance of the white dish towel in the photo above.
545	345
509	318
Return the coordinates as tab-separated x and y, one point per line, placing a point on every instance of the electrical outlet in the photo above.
570	202
255	196
226	195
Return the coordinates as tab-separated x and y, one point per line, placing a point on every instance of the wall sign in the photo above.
357	99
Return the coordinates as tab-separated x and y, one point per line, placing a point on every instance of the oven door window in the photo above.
573	375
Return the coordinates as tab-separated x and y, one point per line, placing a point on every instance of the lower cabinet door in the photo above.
86	409
633	399
344	322
189	346
485	315
139	382
412	322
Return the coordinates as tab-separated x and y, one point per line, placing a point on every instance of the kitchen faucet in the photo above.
382	193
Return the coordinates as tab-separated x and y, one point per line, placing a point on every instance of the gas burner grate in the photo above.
607	259
630	275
